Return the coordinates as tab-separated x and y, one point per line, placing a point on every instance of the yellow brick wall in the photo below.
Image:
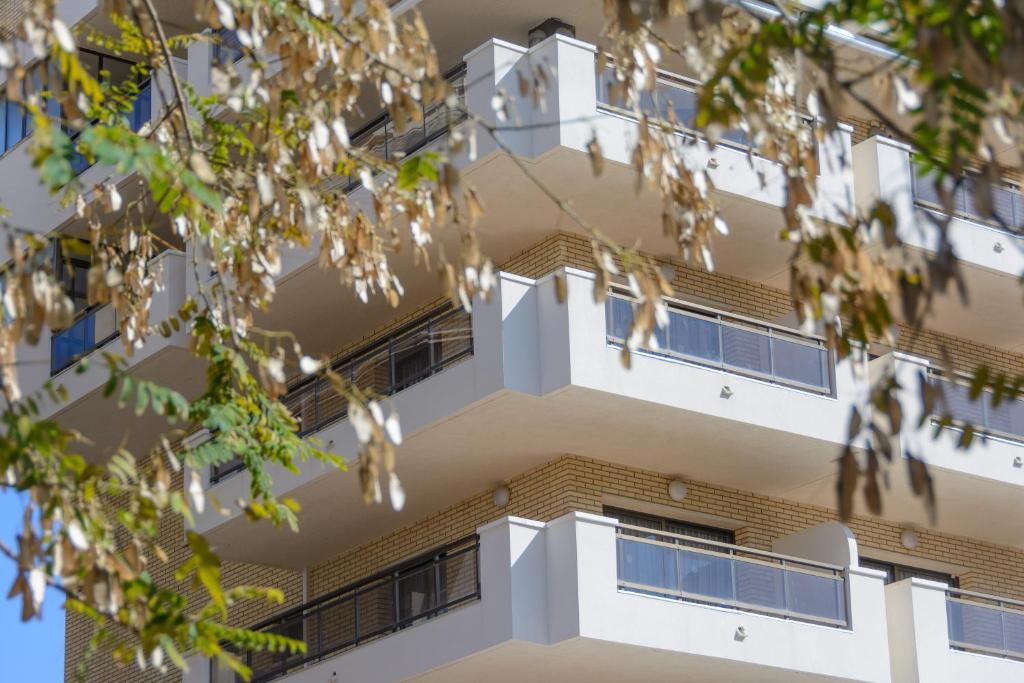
102	668
579	483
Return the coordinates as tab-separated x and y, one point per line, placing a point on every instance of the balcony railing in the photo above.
1007	203
1005	420
670	90
733	344
381	138
92	329
391	601
703	571
985	623
408	356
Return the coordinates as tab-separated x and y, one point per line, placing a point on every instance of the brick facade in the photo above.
78	629
578	483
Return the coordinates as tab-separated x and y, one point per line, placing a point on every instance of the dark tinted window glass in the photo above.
898	572
671	526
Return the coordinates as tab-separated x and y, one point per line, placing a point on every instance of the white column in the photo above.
836	174
200	57
918	630
489	68
582	575
882	172
513	591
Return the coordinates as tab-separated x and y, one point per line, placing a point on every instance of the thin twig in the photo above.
179	93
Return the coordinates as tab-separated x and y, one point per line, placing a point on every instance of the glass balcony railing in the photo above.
92	329
703	571
986	624
732	344
1007	203
670	91
409	355
391	601
1005	420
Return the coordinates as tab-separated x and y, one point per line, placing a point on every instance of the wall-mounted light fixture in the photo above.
501	496
909	539
677	490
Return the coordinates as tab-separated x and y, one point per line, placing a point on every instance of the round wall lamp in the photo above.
909	539
677	490
501	496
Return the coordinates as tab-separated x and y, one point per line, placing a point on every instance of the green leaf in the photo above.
417	168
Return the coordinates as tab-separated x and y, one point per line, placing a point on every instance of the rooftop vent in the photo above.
548	28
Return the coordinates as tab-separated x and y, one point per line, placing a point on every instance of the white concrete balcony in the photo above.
973	486
579	105
485	397
553	139
160	358
937	634
580	599
992	258
32	206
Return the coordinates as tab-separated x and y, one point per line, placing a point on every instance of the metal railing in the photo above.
732	343
92	328
381	137
371	608
1007	203
1005	420
409	355
985	623
699	570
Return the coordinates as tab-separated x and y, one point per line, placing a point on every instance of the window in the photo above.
897	572
73	272
93	326
16	122
671	526
115	71
420	589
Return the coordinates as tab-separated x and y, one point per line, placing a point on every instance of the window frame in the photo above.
703	531
898	571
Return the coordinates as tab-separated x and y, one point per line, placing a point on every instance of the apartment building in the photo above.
569	519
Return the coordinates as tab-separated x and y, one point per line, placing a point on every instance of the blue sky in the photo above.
33	651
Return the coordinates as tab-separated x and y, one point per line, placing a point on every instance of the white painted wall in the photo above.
919	640
704	631
597	366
